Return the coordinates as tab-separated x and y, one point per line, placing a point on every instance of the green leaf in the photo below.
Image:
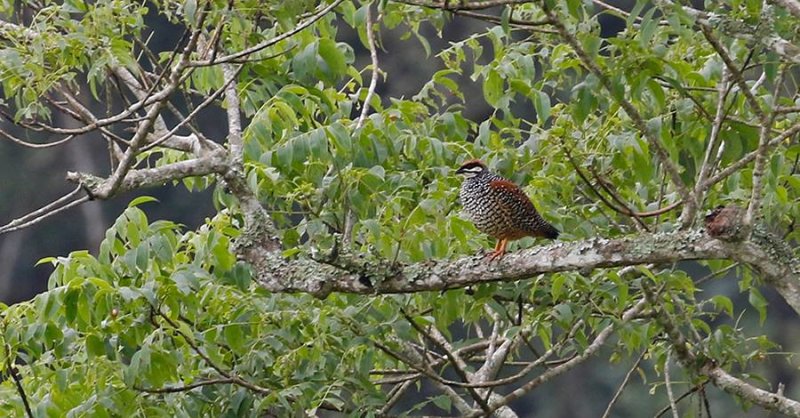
758	301
724	303
556	285
442	402
234	337
541	102
45	260
141	200
493	88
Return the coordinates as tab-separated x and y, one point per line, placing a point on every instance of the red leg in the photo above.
499	250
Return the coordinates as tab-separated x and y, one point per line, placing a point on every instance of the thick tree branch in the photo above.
235	142
147	177
760	397
767	254
793	6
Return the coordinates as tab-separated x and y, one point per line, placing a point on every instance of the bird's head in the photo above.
472	168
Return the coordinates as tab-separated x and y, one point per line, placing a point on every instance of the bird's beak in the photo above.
460	170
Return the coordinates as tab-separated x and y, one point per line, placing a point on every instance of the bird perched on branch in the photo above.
499	207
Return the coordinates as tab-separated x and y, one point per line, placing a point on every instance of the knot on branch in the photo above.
725	223
90	183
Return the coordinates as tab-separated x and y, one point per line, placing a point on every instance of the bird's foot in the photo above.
495	255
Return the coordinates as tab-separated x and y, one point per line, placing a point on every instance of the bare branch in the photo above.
27	144
458	364
135	179
765	399
234	117
723	88
166	136
373	82
748	158
142	131
761	160
680	398
57	206
414	359
668	384
394	396
596	344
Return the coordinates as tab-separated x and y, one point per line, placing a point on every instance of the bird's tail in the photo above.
547	231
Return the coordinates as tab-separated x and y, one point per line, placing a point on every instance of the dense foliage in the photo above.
165	321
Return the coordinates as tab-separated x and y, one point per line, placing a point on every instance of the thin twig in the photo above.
596	344
748	158
624	210
12	370
207	102
269	42
373	55
622	385
679	398
186	388
617	198
27	144
190	341
43	213
723	88
458	364
668	384
176	77
394	396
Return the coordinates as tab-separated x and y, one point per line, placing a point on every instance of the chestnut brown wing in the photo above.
518	213
513	207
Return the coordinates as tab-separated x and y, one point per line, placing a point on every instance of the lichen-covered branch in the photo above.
147	177
359	273
760	397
